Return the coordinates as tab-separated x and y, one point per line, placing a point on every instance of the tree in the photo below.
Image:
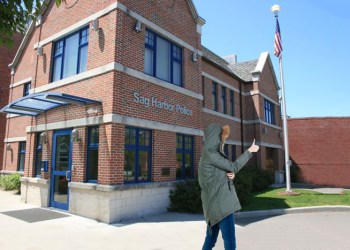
15	16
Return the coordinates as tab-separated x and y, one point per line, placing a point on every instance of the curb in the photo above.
273	212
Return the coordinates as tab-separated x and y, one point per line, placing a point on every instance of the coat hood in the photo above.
214	137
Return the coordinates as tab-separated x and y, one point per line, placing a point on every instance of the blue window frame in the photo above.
26	88
138	154
163	59
269	109
232	103
70	55
214	98
226	150
223	99
38	155
234	155
92	155
184	156
21	156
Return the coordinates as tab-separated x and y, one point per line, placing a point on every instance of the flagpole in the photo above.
275	10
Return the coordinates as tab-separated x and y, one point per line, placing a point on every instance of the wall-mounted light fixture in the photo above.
93	111
138	26
75	135
39	51
95	24
265	130
8	146
195	56
43	138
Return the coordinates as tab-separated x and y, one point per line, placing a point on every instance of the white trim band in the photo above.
212	112
120	68
257	92
219	81
115	118
15	84
15	139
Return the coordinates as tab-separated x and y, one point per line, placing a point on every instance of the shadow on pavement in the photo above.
160	218
249	220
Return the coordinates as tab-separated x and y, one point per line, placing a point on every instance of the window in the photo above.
38	155
21	156
26	89
214	97
232	103
234	156
92	154
70	55
163	59
203	91
269	109
226	150
184	156
138	149
223	99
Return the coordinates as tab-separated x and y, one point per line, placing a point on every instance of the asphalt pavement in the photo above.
28	227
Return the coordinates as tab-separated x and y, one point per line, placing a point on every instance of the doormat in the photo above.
35	214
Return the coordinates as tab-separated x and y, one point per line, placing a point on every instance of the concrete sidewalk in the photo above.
27	227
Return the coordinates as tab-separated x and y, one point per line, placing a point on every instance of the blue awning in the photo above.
38	103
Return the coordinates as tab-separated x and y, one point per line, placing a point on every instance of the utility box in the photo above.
279	177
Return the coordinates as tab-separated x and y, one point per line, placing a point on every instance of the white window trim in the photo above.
18	83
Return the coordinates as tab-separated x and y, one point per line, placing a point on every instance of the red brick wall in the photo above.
320	148
6	56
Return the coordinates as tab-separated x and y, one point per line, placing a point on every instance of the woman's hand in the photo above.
230	175
253	148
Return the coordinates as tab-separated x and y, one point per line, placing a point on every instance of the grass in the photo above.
272	199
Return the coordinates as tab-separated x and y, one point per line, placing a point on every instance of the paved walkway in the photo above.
27	227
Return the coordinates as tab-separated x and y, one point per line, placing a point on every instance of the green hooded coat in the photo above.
218	194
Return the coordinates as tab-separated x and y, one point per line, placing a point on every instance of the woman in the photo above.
218	193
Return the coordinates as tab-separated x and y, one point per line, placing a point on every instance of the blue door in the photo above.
61	169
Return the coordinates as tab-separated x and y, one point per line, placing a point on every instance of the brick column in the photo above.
79	156
111	154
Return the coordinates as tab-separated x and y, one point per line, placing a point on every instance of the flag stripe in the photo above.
278	40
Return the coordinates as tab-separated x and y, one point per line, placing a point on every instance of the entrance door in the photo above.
61	169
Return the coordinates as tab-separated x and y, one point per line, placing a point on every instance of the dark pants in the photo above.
227	227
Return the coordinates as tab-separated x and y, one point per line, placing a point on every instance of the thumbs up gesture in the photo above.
253	148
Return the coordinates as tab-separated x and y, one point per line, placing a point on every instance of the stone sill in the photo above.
121	187
34	180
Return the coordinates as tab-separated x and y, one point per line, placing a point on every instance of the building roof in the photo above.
244	69
222	63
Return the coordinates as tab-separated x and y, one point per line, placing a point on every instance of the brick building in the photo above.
320	149
118	97
6	56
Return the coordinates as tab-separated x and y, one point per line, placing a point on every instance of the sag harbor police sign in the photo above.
153	102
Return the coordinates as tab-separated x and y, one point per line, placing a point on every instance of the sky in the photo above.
316	47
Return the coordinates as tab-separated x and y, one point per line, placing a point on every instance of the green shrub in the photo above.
11	182
294	173
260	178
186	197
243	185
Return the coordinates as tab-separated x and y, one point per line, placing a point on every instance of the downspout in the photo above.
241	115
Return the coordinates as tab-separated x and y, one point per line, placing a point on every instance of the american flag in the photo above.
278	40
